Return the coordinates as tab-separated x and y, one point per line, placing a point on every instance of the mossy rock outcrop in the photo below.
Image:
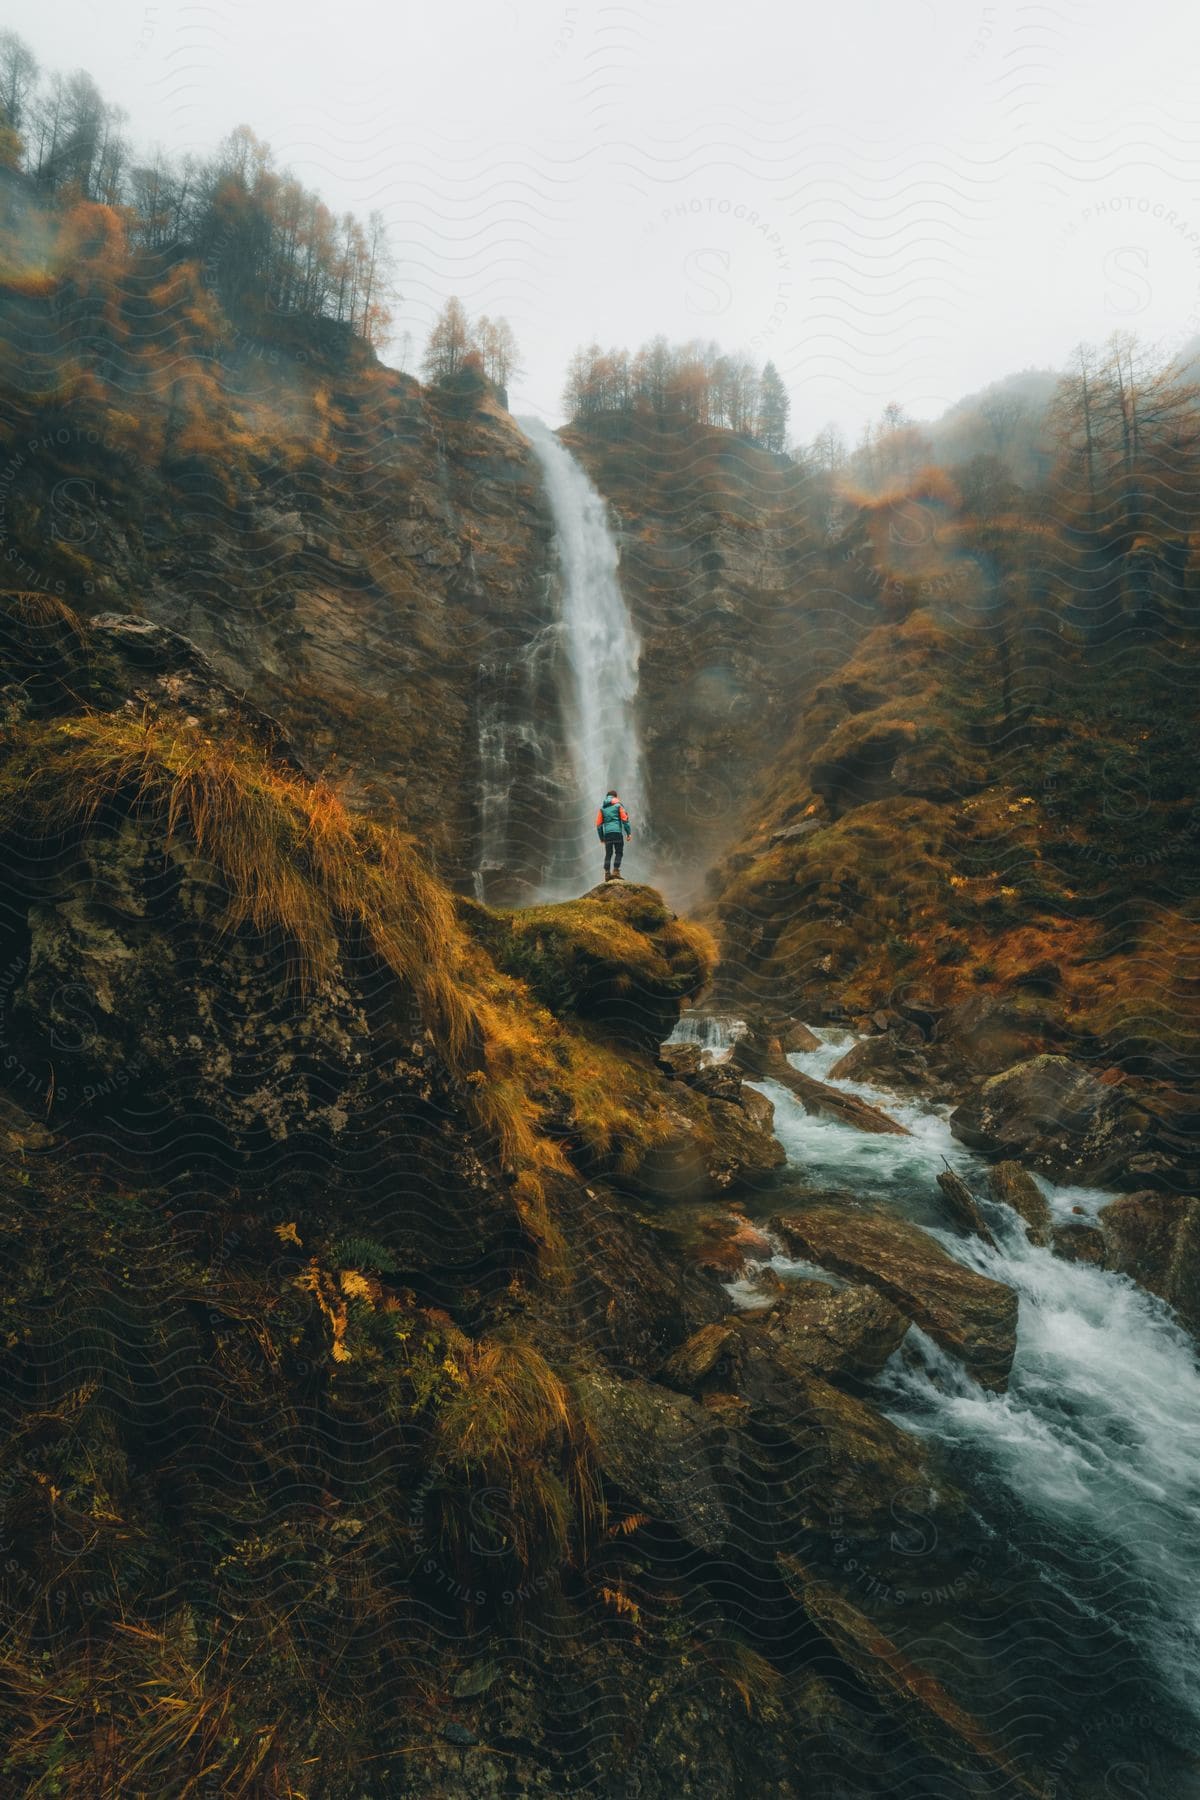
1062	1120
617	957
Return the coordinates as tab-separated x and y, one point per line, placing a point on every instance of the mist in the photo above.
899	203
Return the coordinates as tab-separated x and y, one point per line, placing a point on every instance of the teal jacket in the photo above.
612	820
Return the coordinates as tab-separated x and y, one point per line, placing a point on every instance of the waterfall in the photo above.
598	668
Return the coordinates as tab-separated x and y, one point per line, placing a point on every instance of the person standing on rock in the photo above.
612	828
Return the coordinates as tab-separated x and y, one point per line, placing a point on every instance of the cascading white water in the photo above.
716	1034
600	653
1090	1463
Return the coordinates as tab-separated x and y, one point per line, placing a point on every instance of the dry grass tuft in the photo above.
512	1430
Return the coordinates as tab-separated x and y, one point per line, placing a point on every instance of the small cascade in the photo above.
716	1034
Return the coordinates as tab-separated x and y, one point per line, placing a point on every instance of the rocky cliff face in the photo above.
371	562
358	555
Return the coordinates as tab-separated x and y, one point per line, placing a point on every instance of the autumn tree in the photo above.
449	343
1125	424
496	343
1004	414
265	241
1075	420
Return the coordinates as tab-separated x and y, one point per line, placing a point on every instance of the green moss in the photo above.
618	957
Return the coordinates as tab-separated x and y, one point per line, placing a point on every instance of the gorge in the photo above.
441	1355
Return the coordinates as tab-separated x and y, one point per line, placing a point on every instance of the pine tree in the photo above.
773	409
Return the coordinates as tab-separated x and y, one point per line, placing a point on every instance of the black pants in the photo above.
614	850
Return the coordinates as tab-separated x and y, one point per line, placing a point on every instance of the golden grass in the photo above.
147	1712
296	867
34	607
513	1428
295	863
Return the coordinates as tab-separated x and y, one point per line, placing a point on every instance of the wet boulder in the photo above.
682	1061
817	1097
798	1037
719	1080
986	1034
811	1329
909	1694
703	1353
617	957
720	1243
1013	1186
757	1108
1155	1240
1075	1240
1059	1118
885	1061
963	1206
841	1464
828	1331
704	1148
969	1315
759	1047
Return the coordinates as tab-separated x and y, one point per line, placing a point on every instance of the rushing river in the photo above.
1083	1478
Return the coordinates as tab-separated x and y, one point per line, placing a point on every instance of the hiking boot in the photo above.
608	875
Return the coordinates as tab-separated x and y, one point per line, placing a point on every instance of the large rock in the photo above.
617	957
666	1452
1056	1116
1155	1240
908	1693
1014	1186
1077	1241
141	1003
719	1080
837	1463
827	1331
812	1329
843	1464
985	1034
885	1061
963	1205
709	1148
758	1109
969	1315
817	1097
681	1060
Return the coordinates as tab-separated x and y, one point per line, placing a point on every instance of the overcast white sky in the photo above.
894	199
